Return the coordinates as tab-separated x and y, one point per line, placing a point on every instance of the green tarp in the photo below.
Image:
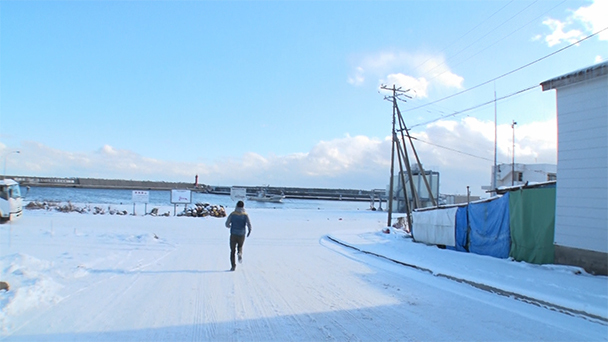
532	218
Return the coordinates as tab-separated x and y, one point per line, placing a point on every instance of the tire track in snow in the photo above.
198	332
298	297
265	302
103	316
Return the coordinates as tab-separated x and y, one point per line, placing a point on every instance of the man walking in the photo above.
237	221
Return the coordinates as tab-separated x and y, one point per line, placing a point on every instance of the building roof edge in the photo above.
580	75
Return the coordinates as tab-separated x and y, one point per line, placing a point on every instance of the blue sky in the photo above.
281	92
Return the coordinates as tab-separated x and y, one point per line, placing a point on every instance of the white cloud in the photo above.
349	162
474	139
383	60
558	35
358	77
589	19
594	17
418	86
436	68
451	80
108	150
349	154
411	70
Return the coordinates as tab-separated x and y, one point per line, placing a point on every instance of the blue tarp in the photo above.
489	223
462	226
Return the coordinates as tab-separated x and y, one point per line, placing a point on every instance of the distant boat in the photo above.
263	196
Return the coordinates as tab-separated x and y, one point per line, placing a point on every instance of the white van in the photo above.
11	203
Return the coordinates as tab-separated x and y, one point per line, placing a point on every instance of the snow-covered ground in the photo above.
307	275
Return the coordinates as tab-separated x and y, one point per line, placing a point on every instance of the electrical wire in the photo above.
480	38
450	149
442	113
497	41
477	106
466	33
510	72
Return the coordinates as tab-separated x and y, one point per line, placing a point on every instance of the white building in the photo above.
581	222
519	174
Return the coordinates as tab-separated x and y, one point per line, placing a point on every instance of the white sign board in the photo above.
141	196
238	194
179	196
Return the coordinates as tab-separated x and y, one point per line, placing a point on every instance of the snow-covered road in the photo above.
85	277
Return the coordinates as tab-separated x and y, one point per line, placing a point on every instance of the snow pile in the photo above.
31	286
561	287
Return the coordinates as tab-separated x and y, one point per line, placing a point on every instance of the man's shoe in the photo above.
233	268
240	259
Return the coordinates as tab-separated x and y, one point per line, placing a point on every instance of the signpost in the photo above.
180	196
238	194
141	196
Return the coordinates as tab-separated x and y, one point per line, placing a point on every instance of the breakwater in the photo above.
98	183
288	192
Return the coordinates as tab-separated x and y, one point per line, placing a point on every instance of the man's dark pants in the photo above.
236	243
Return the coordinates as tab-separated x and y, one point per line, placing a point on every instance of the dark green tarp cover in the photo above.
532	218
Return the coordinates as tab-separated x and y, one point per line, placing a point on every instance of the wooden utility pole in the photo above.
403	158
513	155
423	173
408	208
396	94
390	187
410	175
494	176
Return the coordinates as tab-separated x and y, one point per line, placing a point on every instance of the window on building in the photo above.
551	176
519	176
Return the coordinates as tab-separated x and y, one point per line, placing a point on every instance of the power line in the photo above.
482	37
442	112
463	111
510	72
465	34
451	149
477	106
498	41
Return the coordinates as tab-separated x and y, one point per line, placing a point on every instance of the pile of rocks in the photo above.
70	208
200	209
41	205
155	212
205	209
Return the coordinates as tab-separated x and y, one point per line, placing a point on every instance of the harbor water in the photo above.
163	198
